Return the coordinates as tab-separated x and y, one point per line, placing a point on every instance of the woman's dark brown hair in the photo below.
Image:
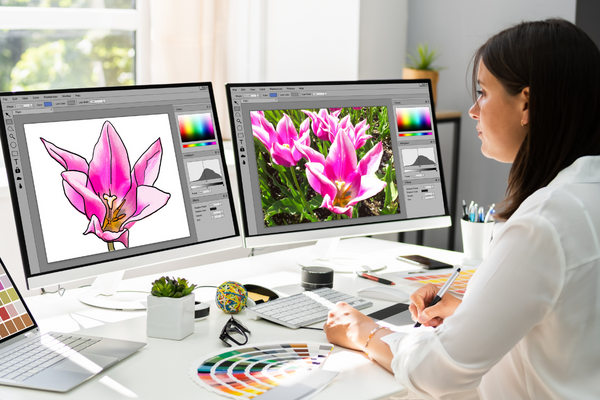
561	66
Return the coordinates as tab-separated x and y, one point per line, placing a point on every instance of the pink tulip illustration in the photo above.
281	142
111	195
339	178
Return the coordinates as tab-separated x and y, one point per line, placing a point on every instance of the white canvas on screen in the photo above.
62	225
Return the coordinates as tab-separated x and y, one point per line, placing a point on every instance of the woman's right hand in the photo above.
431	316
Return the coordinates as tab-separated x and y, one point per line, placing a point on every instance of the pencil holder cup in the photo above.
476	237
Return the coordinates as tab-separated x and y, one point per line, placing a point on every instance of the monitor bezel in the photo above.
360	229
129	261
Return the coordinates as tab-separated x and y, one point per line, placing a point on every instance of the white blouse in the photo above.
529	323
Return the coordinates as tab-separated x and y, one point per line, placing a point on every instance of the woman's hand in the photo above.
348	327
431	316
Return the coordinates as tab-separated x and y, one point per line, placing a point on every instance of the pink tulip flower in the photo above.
339	178
326	126
282	142
106	191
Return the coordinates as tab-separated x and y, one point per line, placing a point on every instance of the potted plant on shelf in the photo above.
421	67
170	307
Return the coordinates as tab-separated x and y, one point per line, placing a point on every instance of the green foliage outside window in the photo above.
52	59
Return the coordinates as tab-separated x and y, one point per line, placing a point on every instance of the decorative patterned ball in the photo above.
231	297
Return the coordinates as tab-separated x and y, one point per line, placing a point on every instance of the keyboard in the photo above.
37	354
304	308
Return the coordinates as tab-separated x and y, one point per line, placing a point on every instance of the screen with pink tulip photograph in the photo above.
324	164
117	186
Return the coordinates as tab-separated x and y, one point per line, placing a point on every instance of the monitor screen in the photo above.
336	159
106	179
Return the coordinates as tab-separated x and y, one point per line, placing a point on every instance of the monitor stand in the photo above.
103	294
325	254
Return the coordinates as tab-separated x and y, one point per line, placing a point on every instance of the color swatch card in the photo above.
196	127
249	371
413	119
13	316
459	286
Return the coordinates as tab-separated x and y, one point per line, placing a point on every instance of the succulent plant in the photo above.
171	287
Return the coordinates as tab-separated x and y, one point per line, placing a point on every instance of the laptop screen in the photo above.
14	315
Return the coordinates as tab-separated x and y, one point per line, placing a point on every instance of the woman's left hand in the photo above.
348	327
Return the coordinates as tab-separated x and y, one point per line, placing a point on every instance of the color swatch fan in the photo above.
459	286
247	372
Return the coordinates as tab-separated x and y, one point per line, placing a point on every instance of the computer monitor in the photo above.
107	179
319	160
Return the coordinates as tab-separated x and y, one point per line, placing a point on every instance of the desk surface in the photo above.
160	369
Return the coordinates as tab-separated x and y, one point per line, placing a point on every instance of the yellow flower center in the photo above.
112	220
286	145
343	195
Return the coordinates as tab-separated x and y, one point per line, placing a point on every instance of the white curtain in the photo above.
188	43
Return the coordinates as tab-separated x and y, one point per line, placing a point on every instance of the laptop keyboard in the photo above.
304	308
40	353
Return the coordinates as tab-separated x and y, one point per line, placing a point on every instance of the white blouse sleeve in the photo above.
515	288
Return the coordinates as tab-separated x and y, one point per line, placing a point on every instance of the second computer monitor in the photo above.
336	159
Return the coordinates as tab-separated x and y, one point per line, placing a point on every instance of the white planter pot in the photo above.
169	318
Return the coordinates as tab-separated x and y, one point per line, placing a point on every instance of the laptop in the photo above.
48	361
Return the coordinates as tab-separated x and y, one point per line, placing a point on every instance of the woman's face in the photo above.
499	116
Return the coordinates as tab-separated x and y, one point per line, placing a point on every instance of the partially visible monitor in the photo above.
108	179
320	160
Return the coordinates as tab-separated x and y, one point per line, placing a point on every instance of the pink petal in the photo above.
109	169
340	164
149	200
310	154
108	236
286	132
318	181
69	161
317	123
282	155
328	203
78	184
74	198
345	123
369	187
304	127
370	162
255	117
146	169
262	135
262	129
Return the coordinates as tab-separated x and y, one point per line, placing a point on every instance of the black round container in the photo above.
316	277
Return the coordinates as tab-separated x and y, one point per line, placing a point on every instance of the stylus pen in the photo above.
442	291
374	278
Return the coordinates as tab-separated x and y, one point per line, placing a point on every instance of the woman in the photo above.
528	326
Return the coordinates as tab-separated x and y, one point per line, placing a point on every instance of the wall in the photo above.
458	28
311	40
382	41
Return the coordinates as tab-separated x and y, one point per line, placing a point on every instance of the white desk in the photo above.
160	369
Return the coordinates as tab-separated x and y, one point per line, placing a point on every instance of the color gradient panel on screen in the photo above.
459	286
246	372
13	316
413	119
196	127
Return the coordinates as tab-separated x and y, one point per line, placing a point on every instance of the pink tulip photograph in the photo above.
106	184
324	164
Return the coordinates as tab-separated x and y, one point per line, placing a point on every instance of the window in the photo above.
54	44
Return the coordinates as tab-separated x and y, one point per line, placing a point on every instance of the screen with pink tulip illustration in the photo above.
324	164
105	184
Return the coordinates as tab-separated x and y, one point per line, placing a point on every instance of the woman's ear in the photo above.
525	106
